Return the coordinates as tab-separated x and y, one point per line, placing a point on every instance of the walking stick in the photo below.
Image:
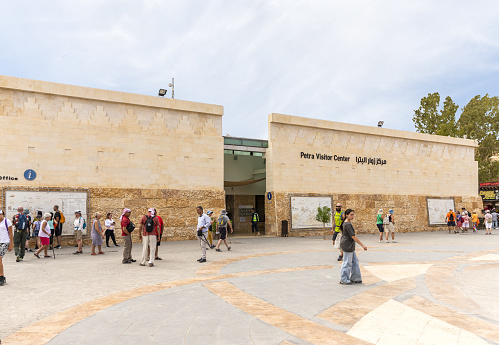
52	241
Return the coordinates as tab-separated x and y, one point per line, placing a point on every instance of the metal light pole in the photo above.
172	85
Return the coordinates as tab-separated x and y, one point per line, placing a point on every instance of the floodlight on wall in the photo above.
380	123
162	92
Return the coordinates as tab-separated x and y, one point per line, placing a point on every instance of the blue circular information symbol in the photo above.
30	174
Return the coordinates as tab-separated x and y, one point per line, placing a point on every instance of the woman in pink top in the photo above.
44	235
466	221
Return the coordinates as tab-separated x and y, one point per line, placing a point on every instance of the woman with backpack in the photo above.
390	226
97	235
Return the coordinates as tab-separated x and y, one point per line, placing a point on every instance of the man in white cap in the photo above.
149	231
79	225
204	222
6	242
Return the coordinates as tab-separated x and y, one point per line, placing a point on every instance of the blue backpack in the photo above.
22	222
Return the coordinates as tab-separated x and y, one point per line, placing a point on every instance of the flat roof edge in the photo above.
45	87
347	127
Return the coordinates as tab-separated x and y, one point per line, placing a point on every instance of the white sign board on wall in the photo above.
437	210
304	210
44	201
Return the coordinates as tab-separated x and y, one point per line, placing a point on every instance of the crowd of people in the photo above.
47	228
465	220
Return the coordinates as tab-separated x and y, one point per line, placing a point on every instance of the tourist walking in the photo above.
494	218
204	222
44	236
126	232
390	228
255	218
20	222
335	231
79	226
212	229
6	242
379	224
36	229
459	224
97	235
109	225
488	223
52	229
451	220
222	223
149	231
28	230
474	219
466	220
58	221
350	269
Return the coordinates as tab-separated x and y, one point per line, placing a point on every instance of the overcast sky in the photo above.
348	61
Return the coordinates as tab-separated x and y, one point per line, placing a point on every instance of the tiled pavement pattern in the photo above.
429	288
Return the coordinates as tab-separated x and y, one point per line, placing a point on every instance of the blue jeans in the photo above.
494	224
350	270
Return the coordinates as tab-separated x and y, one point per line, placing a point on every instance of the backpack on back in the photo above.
222	221
386	220
22	222
62	219
149	224
451	217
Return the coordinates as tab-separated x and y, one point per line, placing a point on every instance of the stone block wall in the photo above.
177	208
410	211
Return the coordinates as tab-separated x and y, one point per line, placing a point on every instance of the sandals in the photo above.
158	258
101	253
93	254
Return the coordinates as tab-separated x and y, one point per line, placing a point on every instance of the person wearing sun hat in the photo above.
210	231
79	223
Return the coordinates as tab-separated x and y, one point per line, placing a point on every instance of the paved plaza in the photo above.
429	288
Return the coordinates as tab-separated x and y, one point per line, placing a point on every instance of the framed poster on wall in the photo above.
437	210
44	201
304	210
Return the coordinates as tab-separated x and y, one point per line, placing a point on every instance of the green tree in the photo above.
479	121
323	216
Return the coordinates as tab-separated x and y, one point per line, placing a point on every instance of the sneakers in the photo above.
387	241
212	246
345	283
18	259
394	241
133	260
58	247
29	250
2	281
75	253
356	281
229	248
202	260
35	254
340	258
126	262
380	241
218	250
151	265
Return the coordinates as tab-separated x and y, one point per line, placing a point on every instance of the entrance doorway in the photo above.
245	182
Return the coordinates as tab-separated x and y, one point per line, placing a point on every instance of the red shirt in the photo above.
155	232
124	223
160	224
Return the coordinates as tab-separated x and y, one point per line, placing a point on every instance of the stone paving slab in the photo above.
300	284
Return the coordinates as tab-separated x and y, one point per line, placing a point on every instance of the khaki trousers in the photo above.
148	241
127	250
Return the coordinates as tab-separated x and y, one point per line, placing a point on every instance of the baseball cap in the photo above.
1	211
78	211
209	212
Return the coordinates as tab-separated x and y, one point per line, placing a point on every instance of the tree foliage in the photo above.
323	215
479	120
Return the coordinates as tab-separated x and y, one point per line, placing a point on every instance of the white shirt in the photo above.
4	232
78	223
47	229
204	221
109	224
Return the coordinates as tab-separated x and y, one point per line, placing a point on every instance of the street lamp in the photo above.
380	124
172	85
